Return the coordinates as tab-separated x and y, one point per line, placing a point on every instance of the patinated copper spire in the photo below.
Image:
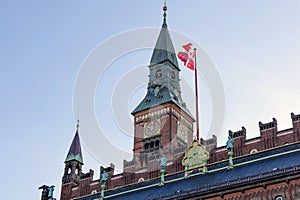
75	148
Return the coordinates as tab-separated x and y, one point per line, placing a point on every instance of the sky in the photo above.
254	45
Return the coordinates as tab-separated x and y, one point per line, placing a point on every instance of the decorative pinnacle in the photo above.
165	8
77	125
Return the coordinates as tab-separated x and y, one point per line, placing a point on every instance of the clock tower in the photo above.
163	125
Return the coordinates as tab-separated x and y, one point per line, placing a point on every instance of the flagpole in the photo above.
197	107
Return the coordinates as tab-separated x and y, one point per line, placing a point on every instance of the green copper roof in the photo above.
75	150
164	96
164	50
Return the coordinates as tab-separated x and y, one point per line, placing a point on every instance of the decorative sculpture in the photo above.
195	157
229	146
47	192
104	177
162	163
50	193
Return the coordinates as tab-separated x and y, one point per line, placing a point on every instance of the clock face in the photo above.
182	132
152	128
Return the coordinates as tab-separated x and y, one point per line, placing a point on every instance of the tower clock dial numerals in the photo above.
182	132
152	128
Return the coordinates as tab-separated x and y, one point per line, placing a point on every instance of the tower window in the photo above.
156	143
172	75
158	73
151	145
158	54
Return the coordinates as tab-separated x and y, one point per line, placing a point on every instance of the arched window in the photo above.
253	151
279	198
141	180
147	146
94	192
156	143
172	75
151	145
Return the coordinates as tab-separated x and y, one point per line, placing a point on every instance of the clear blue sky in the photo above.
254	44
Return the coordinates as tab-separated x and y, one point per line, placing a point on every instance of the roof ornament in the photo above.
77	125
195	158
165	8
229	146
104	177
162	163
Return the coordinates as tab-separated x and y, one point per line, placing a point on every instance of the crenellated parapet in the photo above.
239	139
296	126
239	133
89	174
295	118
269	125
210	143
268	134
270	137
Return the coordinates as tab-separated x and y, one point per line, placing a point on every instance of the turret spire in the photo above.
75	148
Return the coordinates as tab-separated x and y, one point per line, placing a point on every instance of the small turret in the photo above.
74	161
268	132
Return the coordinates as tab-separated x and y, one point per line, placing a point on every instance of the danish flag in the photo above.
188	56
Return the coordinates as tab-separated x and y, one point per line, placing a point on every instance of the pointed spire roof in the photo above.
75	149
165	55
164	50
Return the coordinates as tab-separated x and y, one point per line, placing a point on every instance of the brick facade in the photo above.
288	189
269	137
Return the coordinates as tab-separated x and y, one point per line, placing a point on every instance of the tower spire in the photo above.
73	161
164	49
75	148
163	85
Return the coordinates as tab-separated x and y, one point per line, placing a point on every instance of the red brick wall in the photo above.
269	138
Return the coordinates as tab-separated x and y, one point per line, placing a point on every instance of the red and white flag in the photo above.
188	56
